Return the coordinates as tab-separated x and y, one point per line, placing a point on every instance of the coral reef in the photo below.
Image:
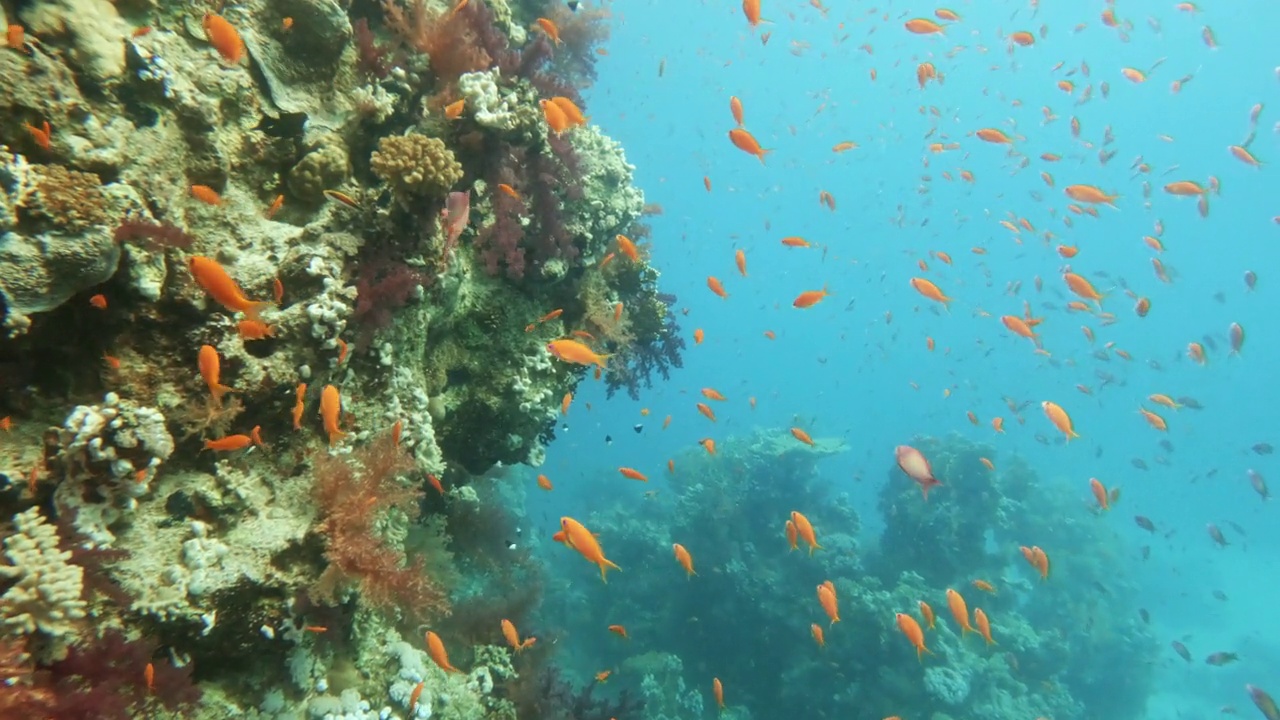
266	467
717	506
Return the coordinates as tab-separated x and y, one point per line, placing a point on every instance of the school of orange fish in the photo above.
1081	200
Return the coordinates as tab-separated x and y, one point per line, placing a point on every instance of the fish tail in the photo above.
254	309
335	436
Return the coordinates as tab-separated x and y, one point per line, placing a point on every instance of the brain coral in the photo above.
415	165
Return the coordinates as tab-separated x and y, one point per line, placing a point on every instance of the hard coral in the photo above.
68	199
415	166
352	495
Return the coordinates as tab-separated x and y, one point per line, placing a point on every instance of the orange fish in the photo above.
827	597
549	29
698	336
792	535
984	586
818	636
740	259
684	558
735	107
717	690
927	612
1089	194
99	301
805	531
810	298
572	351
544	482
435	648
1100	494
513	637
929	290
330	412
709	445
42	135
223	37
959	610
706	410
229	443
716	286
1082	287
984	625
912	462
628	248
746	142
221	287
555	117
299	406
1059	418
251	329
911	629
923	26
210	370
632	474
206	195
751	9
712	394
1155	420
454	110
802	436
620	631
579	538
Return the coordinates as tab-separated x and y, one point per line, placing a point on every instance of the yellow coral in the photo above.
415	165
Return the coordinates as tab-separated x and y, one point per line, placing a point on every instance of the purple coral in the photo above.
105	679
383	285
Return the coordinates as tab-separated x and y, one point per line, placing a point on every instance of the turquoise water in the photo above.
842	370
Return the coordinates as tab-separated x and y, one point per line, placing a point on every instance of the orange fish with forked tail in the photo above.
215	280
959	610
579	538
805	530
747	143
572	351
915	635
1059	418
929	290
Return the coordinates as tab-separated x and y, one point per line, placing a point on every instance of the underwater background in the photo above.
338	334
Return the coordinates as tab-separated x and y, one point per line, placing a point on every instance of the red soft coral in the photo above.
352	493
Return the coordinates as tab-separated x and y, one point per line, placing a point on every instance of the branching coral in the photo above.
352	495
47	589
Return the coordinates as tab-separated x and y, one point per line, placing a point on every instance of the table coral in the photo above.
415	166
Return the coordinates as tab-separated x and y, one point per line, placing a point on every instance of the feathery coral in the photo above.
351	501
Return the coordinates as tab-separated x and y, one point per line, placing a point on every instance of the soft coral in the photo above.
351	501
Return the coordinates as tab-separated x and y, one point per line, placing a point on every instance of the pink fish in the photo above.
916	467
456	215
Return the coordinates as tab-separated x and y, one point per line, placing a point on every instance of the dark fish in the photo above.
1040	438
573	5
1264	448
638	428
288	125
1220	297
1216	535
1221	658
1218	594
1182	651
1139	463
1155	365
1259	484
1236	527
608	439
1145	523
1168	446
1209	342
1146	552
1190	402
1250	279
1161	460
1146	616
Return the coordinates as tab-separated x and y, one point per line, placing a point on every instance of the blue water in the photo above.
841	370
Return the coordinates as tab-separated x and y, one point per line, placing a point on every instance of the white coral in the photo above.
47	594
490	108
